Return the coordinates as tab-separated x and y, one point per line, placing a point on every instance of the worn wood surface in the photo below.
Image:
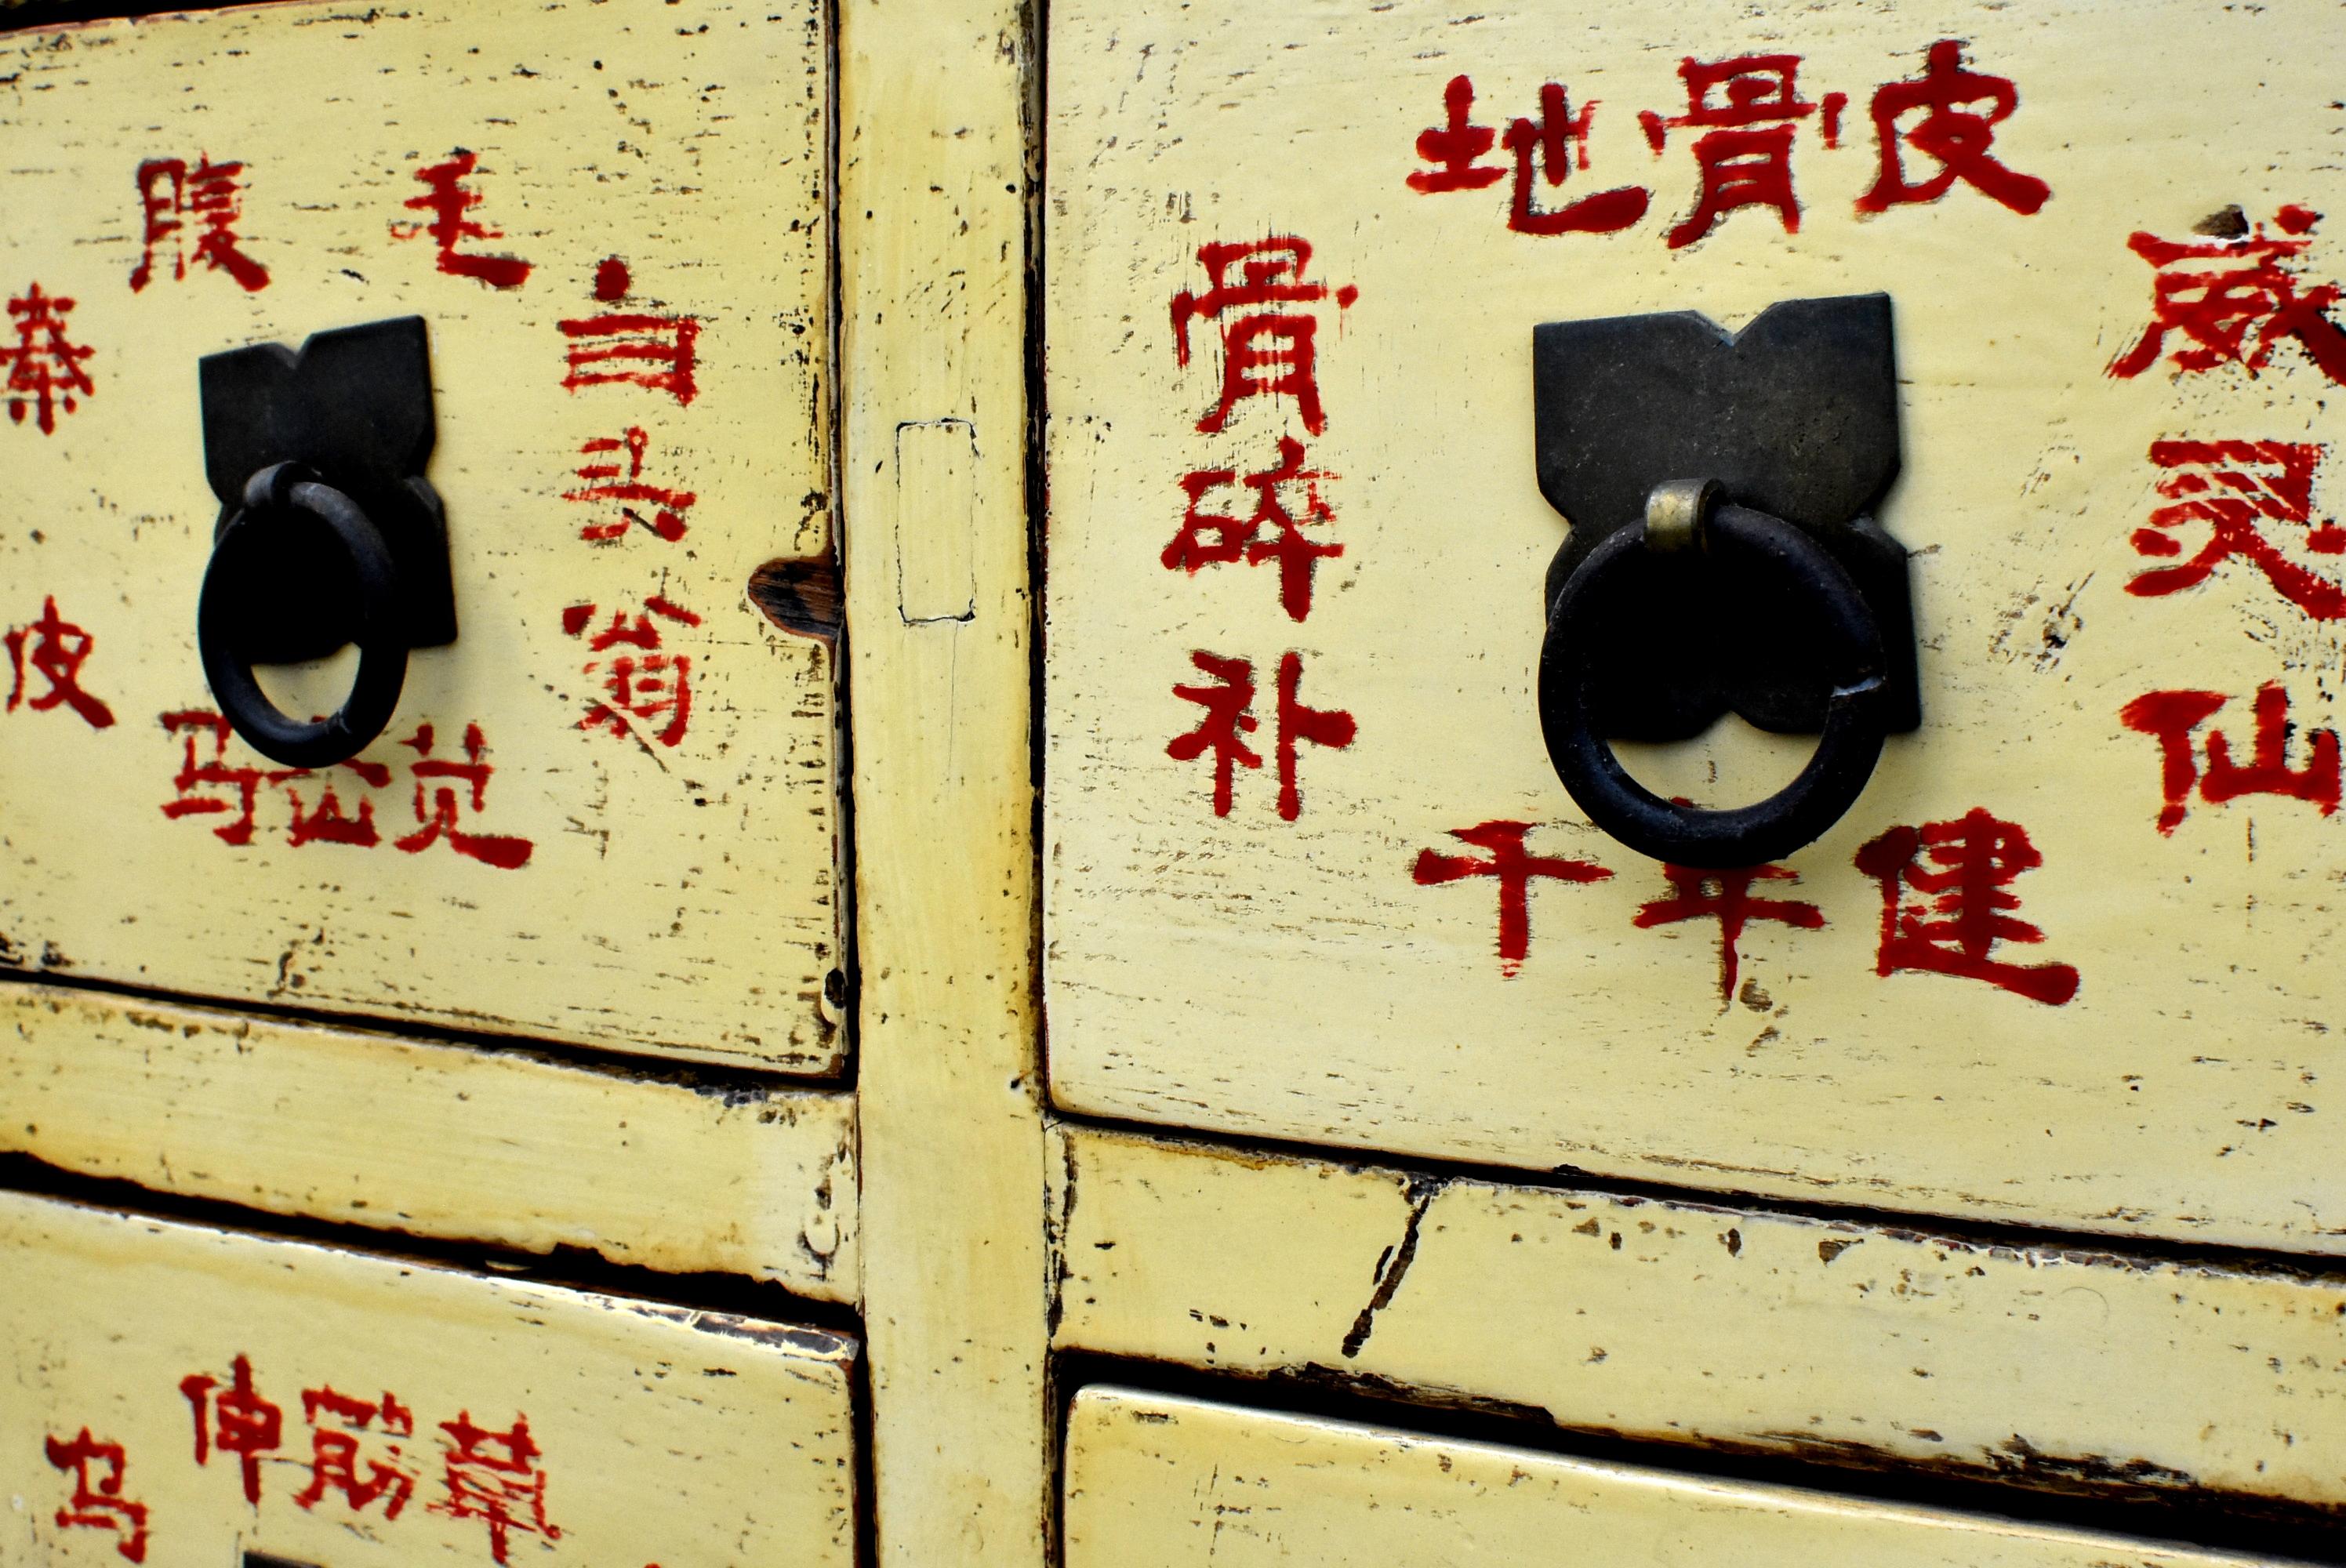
933	183
631	1433
677	898
1155	1482
435	1140
1293	979
2046	1365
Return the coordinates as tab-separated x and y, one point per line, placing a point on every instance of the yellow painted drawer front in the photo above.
605	813
444	1141
177	1395
2069	959
1160	1482
2046	1366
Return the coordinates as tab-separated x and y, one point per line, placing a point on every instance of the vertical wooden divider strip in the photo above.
932	237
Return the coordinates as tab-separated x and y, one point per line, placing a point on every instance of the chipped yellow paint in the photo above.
679	899
1267	978
1155	1482
693	1439
2049	1366
435	1140
934	180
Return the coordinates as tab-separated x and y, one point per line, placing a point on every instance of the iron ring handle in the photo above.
1683	515
273	499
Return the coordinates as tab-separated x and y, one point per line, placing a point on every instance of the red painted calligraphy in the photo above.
493	1476
1960	110
340	1424
440	807
170	196
447	198
2255	498
236	1420
98	1503
2234	300
1272	531
2173	718
612	482
1727	897
1228	715
44	366
651	684
635	348
212	773
1545	150
1744	155
1960	870
1269	342
54	650
1513	868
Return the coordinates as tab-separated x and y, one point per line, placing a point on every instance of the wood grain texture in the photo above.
1267	978
1156	1481
434	1140
679	899
2044	1365
661	1435
934	180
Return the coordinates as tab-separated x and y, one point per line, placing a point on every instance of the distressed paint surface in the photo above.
1156	1481
677	899
435	1140
662	1435
1345	976
935	183
2049	1366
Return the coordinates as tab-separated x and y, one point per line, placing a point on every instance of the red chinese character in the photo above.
490	1475
447	198
437	807
169	193
1228	714
100	1506
2220	292
248	1426
1725	897
1961	869
1273	532
1453	146
2235	488
212	773
1745	153
668	505
1514	868
1266	351
334	1450
647	685
624	345
1560	138
2171	717
1952	131
44	374
327	822
58	650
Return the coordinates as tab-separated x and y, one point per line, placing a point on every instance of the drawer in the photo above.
2181	1384
607	811
1312	870
177	1395
1157	1481
449	1141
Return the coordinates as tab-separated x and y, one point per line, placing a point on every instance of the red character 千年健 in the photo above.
1726	896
